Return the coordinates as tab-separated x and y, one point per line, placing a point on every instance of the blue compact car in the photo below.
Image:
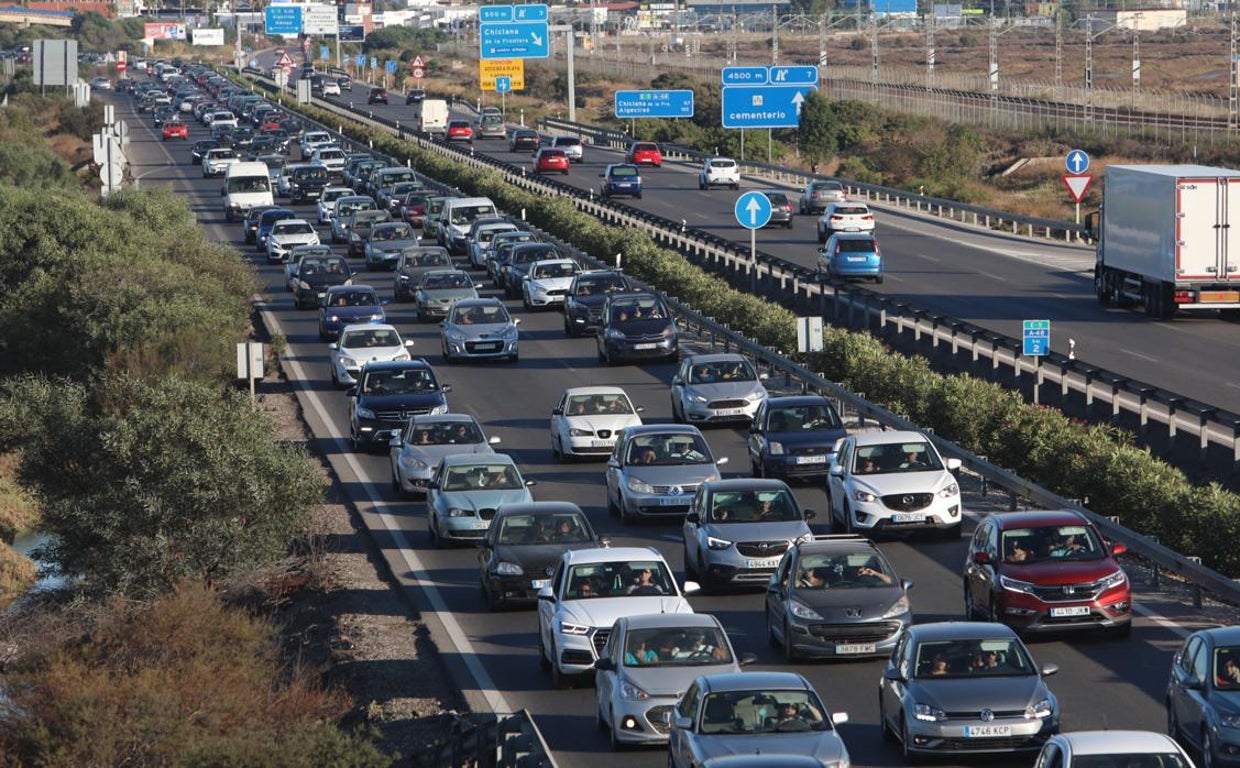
621	179
851	256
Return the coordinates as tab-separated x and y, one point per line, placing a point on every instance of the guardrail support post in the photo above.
1171	411
1203	434
1156	576
1143	397
1196	587
984	484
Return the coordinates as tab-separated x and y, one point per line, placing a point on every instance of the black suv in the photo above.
377	96
415	96
583	306
314	273
387	394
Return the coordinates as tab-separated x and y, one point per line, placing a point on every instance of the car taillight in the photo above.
835	217
867	217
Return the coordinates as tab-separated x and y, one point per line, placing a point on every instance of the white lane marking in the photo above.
1161	620
996	278
1138	354
928	257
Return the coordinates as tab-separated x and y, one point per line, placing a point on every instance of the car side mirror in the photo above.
397	441
953	464
605	665
531	483
1049	669
408	342
981	558
516	321
351	392
907	584
494	440
676	381
557	411
721	461
837	470
443	323
1118	548
755	428
223	192
601	175
810	514
445	388
764	376
693	518
477	286
691	588
333	346
546	594
893	674
1193	684
682	723
747	658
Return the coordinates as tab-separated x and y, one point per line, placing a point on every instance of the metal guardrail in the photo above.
975	215
1161	557
488	741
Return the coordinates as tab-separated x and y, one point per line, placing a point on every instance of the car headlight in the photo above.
403	278
804	538
302	284
1015	585
574	432
697	399
630	692
510	332
1114	580
613	333
333	318
377	317
505	568
669	332
569	628
636	485
441	408
1039	711
348	362
928	713
898	608
802	611
458	512
755	396
401	356
862	495
1229	721
365	413
412	462
456	336
714	543
775	447
949	491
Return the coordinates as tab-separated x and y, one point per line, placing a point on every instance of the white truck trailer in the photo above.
1163	238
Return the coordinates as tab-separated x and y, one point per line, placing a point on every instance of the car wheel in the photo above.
905	739
616	744
599	722
568	327
848	520
788	223
638	195
543	660
494	601
790	653
525	301
1121	632
677	416
514	357
992	611
690	565
951	533
759	469
559	680
432	527
612	508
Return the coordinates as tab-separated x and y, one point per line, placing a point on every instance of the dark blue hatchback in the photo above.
621	179
794	436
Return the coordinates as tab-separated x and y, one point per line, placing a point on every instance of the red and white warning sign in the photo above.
417	67
285	60
1078	184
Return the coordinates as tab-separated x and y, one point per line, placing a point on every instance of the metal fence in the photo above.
875	309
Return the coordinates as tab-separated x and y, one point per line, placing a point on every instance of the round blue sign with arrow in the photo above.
1076	161
753	210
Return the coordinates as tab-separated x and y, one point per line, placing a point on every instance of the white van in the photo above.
456	217
431	116
246	185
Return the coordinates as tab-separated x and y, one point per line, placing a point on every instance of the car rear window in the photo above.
567	141
625	172
855	245
850	210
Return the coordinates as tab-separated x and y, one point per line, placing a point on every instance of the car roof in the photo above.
672	620
890	436
443	418
794	400
1109	742
748	681
481	301
601	390
1222	635
369	327
561	260
719	357
746	484
610	554
294	221
662	429
634	295
1037	518
854	236
834	543
961	630
474	459
344	288
399	365
539	508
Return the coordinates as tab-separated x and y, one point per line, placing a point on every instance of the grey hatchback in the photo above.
1203	695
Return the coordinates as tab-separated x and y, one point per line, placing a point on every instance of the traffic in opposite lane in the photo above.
495	655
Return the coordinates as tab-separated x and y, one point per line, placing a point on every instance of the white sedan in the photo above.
546	283
288	234
587	421
361	344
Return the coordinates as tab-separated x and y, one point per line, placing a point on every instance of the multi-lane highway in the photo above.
988	279
1102	683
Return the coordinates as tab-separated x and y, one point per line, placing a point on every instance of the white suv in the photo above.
589	590
844	217
719	172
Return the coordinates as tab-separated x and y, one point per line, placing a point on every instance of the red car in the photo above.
175	129
548	159
644	153
460	130
1046	571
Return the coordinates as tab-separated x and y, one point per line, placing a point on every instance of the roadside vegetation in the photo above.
164	495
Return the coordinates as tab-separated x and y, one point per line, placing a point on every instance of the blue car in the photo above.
266	222
851	256
794	436
348	305
621	179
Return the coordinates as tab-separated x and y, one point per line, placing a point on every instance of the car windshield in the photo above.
487	235
852	570
346	207
591	286
854	245
753	507
546	271
543	528
370	337
394	232
646	309
1051	542
397	177
722	371
567	141
399	382
354	299
332	195
430	259
366	220
320	266
1139	760
479	314
826	186
669	450
454	281
249	184
721	163
997	657
446	433
272	217
896	457
676	647
552	153
1227	669
803	418
597	405
466	214
624	172
292	228
641	578
309	174
762	711
482	477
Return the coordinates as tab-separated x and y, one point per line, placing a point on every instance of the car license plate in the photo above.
486	347
730	411
851	648
540	583
986	731
479	524
322	294
645	346
600	443
856	259
672	501
811	459
1070	610
757	565
907	518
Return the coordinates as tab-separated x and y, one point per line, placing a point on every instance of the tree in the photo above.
817	137
148	483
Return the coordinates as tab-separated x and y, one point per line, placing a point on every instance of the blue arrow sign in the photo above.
359	60
389	66
764	106
632	104
802	75
503	84
494	13
745	75
753	210
514	40
282	20
1036	337
1077	161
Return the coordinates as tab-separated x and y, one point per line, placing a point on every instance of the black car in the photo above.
415	96
200	148
314	273
531	536
410	389
377	96
307	182
345	82
523	140
583	306
518	264
804	429
637	326
415	262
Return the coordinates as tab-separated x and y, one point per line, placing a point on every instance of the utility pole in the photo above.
1233	79
1089	68
994	57
774	35
822	42
1136	64
1058	53
930	52
873	49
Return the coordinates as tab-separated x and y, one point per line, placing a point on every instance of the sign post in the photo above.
250	364
753	212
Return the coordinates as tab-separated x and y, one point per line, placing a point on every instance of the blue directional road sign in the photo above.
489	13
514	40
1036	337
631	104
1076	161
753	210
745	75
503	84
325	53
374	63
359	60
531	12
390	66
764	106
282	20
800	75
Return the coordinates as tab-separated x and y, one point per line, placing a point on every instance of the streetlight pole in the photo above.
930	52
774	35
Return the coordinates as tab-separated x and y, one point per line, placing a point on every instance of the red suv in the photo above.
644	153
1046	571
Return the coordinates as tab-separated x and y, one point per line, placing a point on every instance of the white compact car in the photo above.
330	157
894	481
331	87
327	202
288	234
587	420
844	217
546	283
719	172
1087	749
361	344
590	589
